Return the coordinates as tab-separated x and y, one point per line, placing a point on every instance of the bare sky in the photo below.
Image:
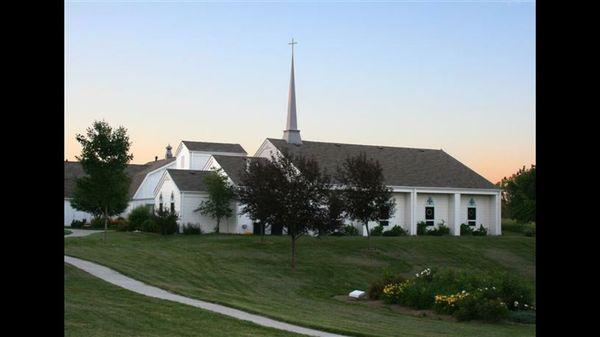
456	76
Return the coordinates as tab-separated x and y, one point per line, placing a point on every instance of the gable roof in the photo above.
233	165
189	180
138	177
137	173
214	147
401	166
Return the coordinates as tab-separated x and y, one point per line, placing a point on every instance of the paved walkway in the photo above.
123	281
81	232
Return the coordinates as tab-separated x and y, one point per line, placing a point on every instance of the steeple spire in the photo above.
291	134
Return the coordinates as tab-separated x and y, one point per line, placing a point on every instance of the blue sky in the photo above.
453	75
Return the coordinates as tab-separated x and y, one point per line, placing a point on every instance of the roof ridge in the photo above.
354	144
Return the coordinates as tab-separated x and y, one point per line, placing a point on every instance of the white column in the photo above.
497	214
413	212
456	219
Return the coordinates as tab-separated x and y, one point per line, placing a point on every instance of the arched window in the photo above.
472	213
429	212
172	203
160	202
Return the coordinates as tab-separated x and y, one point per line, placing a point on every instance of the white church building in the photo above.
428	185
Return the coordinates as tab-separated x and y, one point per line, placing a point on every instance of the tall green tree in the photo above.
518	194
255	193
103	191
220	196
291	192
363	190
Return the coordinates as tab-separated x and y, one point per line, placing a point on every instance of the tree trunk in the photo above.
105	221
218	225
262	232
293	253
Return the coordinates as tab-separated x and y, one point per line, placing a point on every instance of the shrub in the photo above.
481	231
466	229
481	307
190	229
120	224
137	216
439	231
421	228
67	232
514	292
375	290
395	231
97	223
78	223
166	221
397	292
377	231
150	226
529	229
350	230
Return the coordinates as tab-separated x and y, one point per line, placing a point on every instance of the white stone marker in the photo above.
358	294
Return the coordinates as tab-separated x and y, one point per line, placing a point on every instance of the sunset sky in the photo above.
457	76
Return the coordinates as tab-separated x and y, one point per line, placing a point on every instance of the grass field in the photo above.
241	272
97	308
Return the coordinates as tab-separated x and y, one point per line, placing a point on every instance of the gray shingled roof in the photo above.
401	166
138	177
215	147
189	180
233	165
137	172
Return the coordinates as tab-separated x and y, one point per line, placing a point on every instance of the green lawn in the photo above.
97	308
241	272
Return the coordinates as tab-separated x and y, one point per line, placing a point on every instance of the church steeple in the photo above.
291	134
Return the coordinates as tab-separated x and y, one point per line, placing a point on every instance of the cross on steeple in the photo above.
292	44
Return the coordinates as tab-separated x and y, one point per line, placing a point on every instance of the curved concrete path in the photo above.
128	283
81	232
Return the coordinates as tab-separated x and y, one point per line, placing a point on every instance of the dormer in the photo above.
192	155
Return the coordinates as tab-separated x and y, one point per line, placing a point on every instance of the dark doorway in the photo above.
257	229
276	229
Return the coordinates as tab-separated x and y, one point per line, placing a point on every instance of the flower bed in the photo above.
464	295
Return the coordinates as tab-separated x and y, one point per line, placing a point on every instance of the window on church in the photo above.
471	213
160	202
429	215
172	203
384	223
472	216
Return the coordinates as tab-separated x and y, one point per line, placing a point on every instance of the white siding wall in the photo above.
146	189
183	158
266	150
483	204
190	202
440	202
73	214
198	160
399	217
166	189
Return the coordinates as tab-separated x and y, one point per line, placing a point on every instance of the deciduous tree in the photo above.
363	191
220	196
518	194
103	191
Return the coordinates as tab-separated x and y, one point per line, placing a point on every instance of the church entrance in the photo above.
276	229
